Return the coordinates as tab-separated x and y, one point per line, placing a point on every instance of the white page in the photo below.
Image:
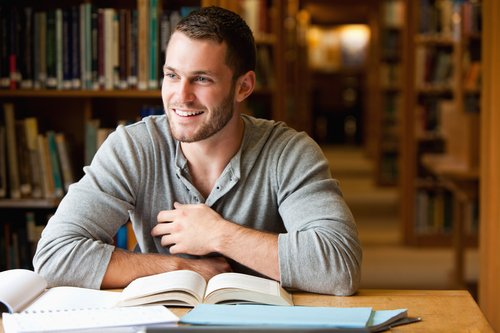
73	298
175	280
18	287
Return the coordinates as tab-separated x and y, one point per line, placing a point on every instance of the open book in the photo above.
188	288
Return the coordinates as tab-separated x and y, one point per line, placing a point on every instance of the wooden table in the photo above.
440	310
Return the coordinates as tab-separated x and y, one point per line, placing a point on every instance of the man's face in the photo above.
197	91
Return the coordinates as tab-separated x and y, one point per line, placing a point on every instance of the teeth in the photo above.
188	113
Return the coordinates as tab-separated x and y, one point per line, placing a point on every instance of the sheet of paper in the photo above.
251	314
73	298
58	321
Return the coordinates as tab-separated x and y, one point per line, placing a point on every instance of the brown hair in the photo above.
221	25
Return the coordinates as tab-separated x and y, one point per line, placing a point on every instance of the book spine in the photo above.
82	45
36	51
164	38
4	50
102	78
27	54
23	160
95	48
116	50
153	35
3	163
123	40
108	48
76	82
10	127
54	160
67	49
59	49
132	79
31	131
91	127
13	47
51	50
66	168
47	179
88	43
42	77
143	43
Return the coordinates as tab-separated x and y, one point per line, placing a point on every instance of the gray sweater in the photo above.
279	181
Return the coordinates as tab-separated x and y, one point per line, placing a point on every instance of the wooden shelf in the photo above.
82	93
449	166
29	203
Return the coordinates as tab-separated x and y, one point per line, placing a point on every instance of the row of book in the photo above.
390	75
33	165
85	47
95	134
434	67
433	211
21	233
91	48
394	13
19	238
449	18
432	116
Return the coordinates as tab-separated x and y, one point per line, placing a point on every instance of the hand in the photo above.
190	229
207	267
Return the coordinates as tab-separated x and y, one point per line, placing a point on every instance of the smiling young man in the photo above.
206	188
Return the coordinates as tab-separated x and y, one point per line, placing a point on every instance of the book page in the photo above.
177	280
73	298
19	287
243	281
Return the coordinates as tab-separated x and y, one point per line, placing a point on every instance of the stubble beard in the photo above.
220	116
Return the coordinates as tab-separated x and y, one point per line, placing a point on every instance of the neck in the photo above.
208	158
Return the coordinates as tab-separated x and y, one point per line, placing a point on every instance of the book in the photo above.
63	150
3	163
143	44
10	128
34	308
153	44
46	167
248	315
189	288
31	132
23	160
54	160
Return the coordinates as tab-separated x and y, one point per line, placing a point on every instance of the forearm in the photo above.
253	248
125	266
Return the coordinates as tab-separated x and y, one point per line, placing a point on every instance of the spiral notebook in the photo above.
102	320
29	306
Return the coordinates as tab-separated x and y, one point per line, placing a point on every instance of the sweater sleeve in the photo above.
75	246
321	251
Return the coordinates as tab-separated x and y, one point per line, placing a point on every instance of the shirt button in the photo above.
218	187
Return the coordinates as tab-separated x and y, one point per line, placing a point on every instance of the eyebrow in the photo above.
199	72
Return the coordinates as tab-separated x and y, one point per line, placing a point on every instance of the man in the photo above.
206	188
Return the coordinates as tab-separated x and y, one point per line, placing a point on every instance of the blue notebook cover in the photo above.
251	314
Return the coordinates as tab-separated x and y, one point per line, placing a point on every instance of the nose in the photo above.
185	93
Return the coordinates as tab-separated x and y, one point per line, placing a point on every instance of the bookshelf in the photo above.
389	93
69	109
440	140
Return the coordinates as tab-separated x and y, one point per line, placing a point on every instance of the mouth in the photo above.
187	113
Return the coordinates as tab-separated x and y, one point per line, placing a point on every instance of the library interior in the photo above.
399	94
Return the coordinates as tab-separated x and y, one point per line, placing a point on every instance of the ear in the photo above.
245	85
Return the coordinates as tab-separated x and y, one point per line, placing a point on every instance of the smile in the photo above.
187	113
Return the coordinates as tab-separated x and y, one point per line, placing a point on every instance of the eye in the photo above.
170	75
202	79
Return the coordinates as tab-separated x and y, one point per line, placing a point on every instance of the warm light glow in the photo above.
335	47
